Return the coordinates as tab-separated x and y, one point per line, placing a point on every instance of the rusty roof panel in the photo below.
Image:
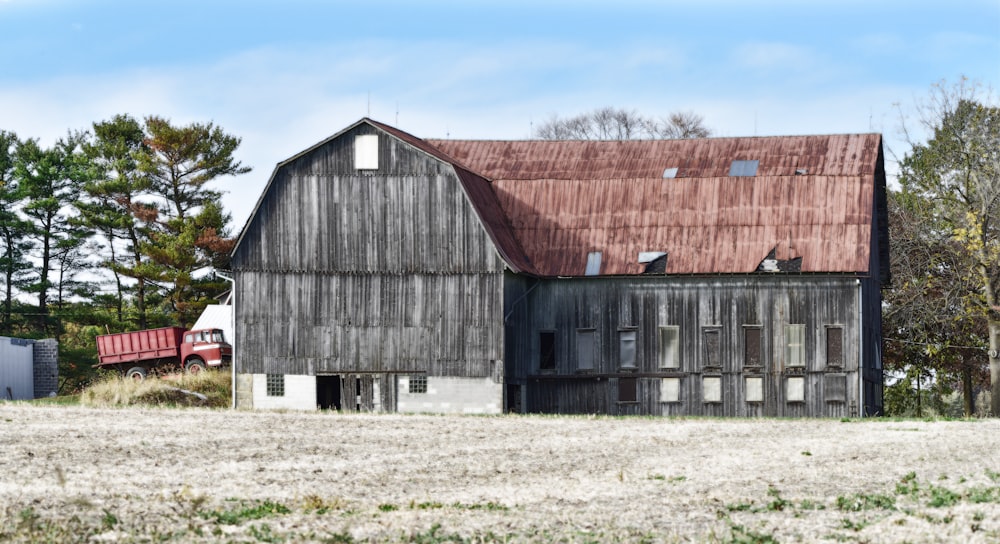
564	200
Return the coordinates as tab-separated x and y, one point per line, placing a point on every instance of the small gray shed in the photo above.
29	369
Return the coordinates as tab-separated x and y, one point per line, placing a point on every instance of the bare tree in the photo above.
619	124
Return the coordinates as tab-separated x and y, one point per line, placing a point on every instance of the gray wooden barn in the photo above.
724	276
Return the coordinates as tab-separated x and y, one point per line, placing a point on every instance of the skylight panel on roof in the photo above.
670	173
593	264
743	168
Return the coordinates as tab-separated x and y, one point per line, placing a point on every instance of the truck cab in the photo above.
205	348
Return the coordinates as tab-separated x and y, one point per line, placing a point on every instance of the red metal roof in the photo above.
548	204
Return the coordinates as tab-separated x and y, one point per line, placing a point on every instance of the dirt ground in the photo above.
84	474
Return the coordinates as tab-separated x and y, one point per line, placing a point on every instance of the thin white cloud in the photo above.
769	57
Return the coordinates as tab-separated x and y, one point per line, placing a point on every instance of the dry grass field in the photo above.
191	474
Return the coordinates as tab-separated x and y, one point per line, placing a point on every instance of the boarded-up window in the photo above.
628	390
795	389
547	350
366	152
275	385
711	349
418	383
670	347
751	346
754	389
585	345
834	346
711	389
670	390
835	387
795	336
626	348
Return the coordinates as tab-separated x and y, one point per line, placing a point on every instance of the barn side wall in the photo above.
385	270
713	318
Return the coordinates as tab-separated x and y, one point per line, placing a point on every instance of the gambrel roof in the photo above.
550	206
814	198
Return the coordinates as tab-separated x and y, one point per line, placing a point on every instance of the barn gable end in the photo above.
367	273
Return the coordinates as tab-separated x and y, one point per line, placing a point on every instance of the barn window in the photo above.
711	348
366	152
628	390
626	348
275	385
834	346
743	168
711	389
585	343
670	390
795	389
795	345
754	388
835	387
751	346
547	350
418	383
670	346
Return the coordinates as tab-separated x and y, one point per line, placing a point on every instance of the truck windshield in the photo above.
217	336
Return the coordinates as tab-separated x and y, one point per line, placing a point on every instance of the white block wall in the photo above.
300	393
451	396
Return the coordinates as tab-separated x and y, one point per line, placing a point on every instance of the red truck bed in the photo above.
139	345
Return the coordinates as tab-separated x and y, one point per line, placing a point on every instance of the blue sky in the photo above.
285	75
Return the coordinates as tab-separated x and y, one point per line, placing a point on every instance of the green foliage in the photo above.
130	203
865	501
947	245
247	511
941	497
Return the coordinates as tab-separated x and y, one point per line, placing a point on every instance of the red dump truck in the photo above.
137	354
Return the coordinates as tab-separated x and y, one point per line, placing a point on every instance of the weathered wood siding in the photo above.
726	304
388	270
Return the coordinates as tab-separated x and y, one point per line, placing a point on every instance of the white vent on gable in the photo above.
366	152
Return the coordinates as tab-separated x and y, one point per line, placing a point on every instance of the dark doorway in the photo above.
328	392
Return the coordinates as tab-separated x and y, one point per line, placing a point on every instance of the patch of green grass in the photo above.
862	501
993	475
847	523
807	504
489	505
430	505
253	511
742	535
908	484
388	507
941	497
776	504
109	520
740	506
979	495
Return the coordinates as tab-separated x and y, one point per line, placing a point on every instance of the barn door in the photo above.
358	392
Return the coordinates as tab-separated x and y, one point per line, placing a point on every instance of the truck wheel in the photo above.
136	373
195	366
